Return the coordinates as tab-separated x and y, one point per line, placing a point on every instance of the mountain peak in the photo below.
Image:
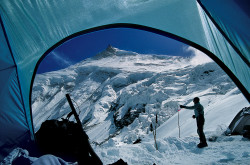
112	51
110	48
109	51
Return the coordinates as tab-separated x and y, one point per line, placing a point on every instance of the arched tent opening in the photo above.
107	28
28	29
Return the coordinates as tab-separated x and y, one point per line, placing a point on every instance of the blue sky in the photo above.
88	45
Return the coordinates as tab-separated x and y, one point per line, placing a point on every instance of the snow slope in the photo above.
118	94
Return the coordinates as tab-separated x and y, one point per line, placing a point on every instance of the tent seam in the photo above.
15	65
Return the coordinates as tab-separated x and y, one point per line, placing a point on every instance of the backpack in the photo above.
65	139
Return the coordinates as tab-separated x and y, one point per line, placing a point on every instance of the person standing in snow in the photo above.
200	120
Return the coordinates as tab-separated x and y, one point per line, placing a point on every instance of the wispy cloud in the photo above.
198	57
61	59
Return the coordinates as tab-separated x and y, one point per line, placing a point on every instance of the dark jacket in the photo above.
198	109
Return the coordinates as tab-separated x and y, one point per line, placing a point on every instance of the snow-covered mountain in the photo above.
118	94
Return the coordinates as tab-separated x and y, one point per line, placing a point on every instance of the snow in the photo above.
183	150
218	113
173	150
118	94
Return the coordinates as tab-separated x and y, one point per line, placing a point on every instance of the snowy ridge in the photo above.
112	51
118	93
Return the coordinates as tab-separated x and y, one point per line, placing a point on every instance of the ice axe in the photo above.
86	143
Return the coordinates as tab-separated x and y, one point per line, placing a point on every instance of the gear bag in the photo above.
64	139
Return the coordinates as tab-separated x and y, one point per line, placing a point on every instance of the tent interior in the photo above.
31	29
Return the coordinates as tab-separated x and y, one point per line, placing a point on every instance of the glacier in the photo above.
118	94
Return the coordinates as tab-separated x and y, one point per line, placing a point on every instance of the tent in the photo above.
240	121
30	29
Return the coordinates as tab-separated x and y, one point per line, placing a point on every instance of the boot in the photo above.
201	145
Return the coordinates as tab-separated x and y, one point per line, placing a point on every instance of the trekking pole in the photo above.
156	122
179	123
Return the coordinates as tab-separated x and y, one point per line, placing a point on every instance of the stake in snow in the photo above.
118	94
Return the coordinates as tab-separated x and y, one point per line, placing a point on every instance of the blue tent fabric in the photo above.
13	127
5	58
233	18
31	28
219	46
